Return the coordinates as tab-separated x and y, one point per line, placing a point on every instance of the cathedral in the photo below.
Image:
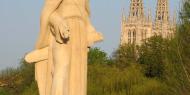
138	26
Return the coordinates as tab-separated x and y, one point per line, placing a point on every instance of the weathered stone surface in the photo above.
60	55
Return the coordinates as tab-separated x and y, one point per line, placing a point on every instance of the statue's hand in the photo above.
59	28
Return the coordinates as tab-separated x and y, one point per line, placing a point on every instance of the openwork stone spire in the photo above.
136	8
149	15
163	24
123	22
162	12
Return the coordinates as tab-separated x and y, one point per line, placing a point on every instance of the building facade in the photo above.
138	26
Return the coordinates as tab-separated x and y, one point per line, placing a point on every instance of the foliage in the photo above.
96	56
16	81
184	34
106	80
151	55
125	55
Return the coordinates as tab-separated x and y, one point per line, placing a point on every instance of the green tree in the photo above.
18	80
125	55
151	56
97	56
184	34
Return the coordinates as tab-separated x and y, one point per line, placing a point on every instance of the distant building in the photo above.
137	27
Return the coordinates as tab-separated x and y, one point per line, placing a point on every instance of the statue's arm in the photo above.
37	55
49	7
59	28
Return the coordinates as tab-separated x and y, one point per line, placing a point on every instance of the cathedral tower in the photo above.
137	27
162	22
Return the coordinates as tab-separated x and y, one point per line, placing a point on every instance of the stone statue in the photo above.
60	55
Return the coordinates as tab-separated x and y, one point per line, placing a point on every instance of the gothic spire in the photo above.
162	11
174	18
149	15
123	21
136	9
123	15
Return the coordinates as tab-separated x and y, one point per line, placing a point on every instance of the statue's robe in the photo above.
42	57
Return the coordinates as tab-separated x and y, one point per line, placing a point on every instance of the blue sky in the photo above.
19	25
